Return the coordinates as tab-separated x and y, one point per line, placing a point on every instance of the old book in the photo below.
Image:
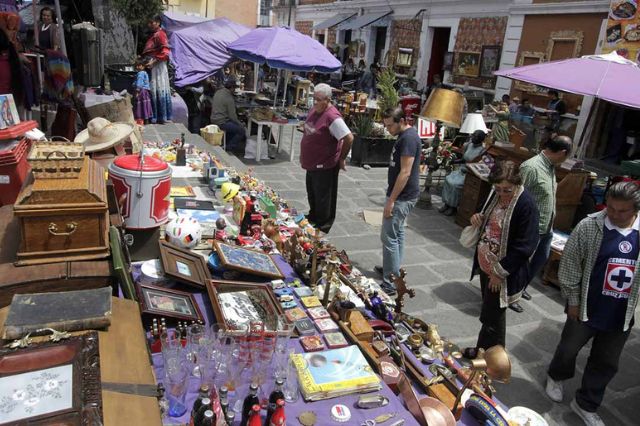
62	311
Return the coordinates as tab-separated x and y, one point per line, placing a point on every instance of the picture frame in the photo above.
490	60
247	260
467	64
405	57
557	38
8	111
236	303
528	58
184	266
447	64
52	382
170	303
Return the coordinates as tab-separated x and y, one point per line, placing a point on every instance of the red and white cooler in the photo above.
142	191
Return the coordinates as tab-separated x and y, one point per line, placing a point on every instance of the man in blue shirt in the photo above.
598	278
402	193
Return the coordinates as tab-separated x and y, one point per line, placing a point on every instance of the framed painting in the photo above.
467	64
490	60
236	304
183	265
164	302
247	260
564	45
528	58
52	383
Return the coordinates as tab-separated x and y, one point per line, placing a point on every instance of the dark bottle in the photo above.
199	416
224	405
203	393
276	394
208	419
251	400
230	417
278	418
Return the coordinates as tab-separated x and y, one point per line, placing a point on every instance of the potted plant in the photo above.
372	145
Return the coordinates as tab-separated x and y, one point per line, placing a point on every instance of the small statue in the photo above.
434	339
220	234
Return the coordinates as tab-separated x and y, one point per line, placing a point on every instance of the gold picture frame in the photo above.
577	37
467	64
528	58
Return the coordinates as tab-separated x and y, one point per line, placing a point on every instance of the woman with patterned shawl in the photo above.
157	49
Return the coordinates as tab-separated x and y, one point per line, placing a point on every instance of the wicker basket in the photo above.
212	134
56	159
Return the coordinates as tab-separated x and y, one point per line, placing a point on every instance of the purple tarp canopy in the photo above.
284	48
200	50
610	77
174	21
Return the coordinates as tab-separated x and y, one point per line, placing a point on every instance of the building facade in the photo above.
246	12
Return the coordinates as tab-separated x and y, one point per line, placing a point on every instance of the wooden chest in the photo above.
64	219
474	193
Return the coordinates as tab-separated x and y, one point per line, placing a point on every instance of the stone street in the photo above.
438	268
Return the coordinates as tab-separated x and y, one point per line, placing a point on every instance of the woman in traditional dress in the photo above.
508	238
157	49
454	182
500	130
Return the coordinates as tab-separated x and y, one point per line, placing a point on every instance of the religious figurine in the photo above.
220	233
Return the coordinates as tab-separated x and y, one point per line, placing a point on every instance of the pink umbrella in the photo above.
610	77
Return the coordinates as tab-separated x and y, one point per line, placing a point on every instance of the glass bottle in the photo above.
276	395
230	417
278	418
254	416
199	416
203	393
250	401
208	419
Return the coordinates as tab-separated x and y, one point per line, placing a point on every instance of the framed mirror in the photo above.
528	58
564	45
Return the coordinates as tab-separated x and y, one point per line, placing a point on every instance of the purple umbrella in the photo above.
284	48
610	77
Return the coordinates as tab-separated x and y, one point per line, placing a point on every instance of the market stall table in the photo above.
281	127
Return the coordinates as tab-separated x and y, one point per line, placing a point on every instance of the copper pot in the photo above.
436	413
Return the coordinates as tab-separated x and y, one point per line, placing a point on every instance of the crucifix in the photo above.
401	288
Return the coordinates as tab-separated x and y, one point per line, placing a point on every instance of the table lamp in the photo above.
473	122
444	107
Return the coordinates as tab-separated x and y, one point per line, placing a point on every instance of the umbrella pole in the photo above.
256	71
275	96
287	75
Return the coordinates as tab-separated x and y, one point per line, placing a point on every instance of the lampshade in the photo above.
445	106
473	122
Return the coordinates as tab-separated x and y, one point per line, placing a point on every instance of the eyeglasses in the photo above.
319	100
502	190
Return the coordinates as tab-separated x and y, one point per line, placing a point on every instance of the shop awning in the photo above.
333	21
363	21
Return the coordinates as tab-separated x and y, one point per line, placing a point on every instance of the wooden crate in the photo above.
64	219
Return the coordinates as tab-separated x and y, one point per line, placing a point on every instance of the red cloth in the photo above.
319	150
157	46
5	74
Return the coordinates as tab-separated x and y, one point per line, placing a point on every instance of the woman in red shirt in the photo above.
157	49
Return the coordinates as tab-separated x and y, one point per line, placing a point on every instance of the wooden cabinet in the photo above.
64	219
474	193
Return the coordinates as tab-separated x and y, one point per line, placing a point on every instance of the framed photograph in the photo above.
247	260
467	64
447	64
52	383
235	304
183	265
8	111
490	60
164	302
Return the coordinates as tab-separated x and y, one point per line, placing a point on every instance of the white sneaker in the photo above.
554	389
589	419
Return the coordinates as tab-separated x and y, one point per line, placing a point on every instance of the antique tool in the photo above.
372	401
379	419
402	290
24	342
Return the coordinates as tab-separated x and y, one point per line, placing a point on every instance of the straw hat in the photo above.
101	134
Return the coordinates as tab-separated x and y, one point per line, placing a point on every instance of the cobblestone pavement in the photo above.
438	268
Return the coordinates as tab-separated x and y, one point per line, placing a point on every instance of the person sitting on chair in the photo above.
453	183
224	115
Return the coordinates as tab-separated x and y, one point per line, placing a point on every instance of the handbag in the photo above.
471	234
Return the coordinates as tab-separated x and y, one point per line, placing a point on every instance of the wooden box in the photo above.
64	219
474	193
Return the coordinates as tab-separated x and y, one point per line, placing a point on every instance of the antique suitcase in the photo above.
61	276
64	219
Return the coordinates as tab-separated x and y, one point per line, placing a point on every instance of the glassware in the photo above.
280	354
171	348
291	383
196	338
175	383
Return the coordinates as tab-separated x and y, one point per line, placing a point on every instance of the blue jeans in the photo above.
235	133
392	237
540	256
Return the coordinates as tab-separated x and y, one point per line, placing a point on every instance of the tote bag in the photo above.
470	234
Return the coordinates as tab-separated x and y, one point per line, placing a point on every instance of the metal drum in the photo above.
142	190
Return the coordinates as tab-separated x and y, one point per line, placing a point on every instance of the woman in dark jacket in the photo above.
508	238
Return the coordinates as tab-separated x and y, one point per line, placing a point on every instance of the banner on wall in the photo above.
623	29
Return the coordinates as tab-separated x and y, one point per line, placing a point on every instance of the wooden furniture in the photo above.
59	276
474	193
123	344
64	219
